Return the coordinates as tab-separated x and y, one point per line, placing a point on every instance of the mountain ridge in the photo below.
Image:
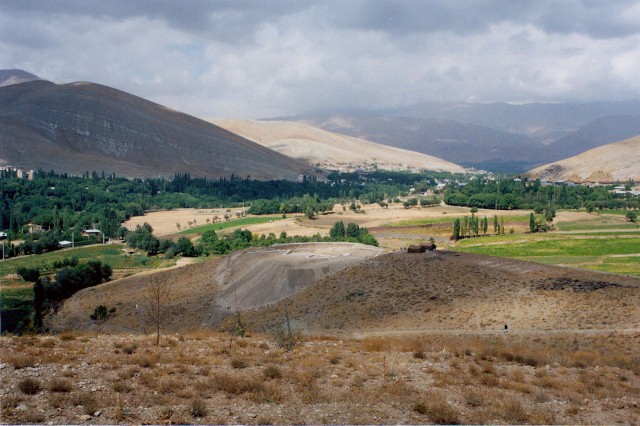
618	161
87	126
330	150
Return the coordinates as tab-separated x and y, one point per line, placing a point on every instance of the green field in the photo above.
245	221
608	252
450	219
109	253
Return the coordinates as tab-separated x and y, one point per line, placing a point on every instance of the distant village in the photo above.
10	171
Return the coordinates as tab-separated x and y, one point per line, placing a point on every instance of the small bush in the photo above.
419	355
238	363
287	340
121	387
513	412
272	372
29	386
21	361
130	349
335	359
60	385
67	336
198	408
438	410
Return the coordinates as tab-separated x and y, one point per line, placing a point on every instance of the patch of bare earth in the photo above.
208	378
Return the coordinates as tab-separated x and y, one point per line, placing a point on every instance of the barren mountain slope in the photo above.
458	292
331	150
83	126
612	162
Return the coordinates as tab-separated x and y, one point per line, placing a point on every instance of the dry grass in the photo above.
455	379
29	386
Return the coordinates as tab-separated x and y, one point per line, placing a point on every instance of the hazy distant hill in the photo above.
499	137
543	122
611	162
600	132
466	144
83	126
331	150
14	76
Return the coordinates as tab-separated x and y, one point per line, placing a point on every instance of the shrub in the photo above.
198	409
130	349
238	363
272	372
438	410
60	385
29	386
286	340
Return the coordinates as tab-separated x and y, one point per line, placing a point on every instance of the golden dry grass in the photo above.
457	379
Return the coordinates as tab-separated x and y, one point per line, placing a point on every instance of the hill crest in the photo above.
84	126
618	161
330	150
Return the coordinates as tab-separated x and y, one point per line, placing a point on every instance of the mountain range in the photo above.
497	137
84	126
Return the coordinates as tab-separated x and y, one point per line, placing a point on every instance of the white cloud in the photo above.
254	60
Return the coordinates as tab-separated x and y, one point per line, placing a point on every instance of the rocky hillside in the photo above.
83	126
332	150
618	161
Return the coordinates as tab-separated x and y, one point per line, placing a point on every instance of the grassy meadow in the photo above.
608	252
245	221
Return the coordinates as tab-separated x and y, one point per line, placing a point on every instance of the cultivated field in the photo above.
601	242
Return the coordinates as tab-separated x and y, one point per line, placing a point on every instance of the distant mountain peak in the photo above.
16	76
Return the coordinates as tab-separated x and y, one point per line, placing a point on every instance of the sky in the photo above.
257	59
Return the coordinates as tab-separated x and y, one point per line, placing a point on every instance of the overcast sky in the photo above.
271	58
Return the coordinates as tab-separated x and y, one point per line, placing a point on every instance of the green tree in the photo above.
337	231
28	274
632	216
532	223
456	229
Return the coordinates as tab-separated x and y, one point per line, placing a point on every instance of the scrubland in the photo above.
202	377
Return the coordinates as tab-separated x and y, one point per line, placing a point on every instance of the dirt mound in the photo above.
257	277
446	291
205	293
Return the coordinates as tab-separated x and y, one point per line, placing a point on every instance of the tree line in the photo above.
510	194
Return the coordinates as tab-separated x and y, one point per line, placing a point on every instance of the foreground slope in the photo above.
331	150
619	161
83	126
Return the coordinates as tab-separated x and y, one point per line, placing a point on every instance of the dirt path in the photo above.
379	333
